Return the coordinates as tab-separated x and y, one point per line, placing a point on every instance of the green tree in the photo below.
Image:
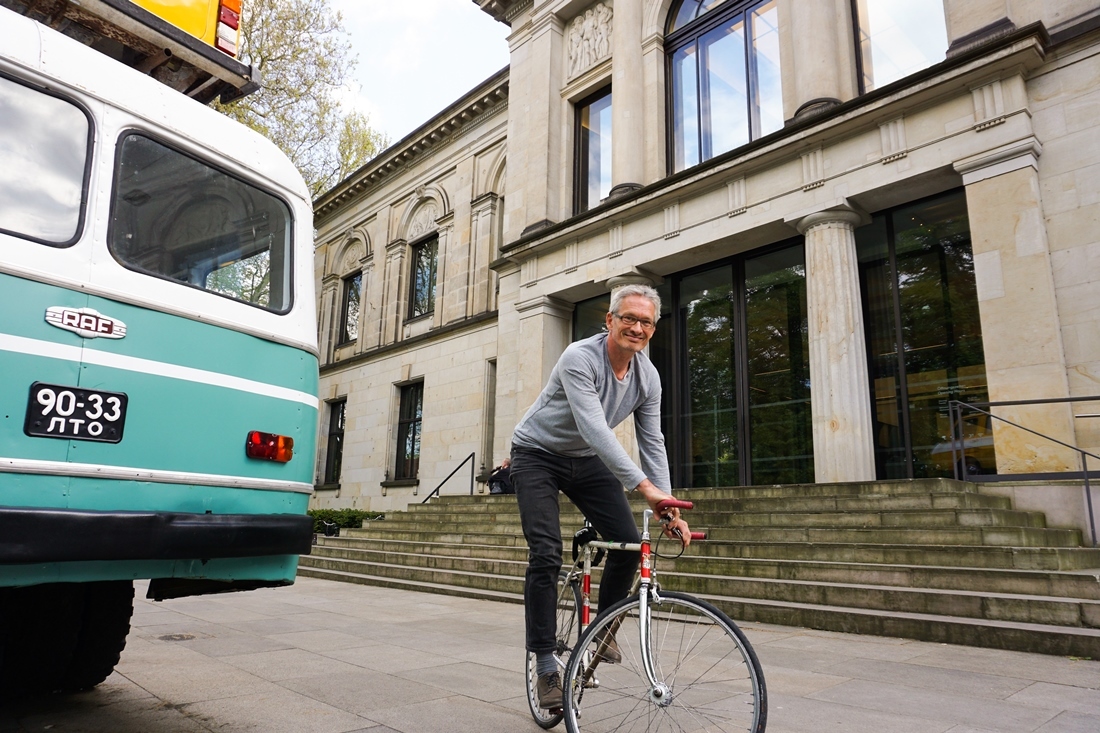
304	60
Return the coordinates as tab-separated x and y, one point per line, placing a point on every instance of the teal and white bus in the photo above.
158	355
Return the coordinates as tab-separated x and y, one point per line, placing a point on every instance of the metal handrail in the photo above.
954	407
468	459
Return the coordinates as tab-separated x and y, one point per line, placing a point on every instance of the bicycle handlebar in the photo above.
680	504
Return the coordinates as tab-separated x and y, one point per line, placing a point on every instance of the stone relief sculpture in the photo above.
589	38
423	222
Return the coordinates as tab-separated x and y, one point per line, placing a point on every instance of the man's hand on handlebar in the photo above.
676	528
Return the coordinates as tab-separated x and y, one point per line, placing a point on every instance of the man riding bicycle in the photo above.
565	443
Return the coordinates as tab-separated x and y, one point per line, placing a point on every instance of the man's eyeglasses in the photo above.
632	321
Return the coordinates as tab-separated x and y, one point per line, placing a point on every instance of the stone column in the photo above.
484	210
544	329
816	42
329	311
535	126
392	291
452	273
627	100
1021	328
840	397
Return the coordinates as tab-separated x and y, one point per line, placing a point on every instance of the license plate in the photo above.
75	413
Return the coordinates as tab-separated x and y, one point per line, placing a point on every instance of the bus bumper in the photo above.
63	535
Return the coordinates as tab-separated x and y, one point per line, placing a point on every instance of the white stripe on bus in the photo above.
53	350
125	473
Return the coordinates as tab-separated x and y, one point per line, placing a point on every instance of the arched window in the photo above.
726	85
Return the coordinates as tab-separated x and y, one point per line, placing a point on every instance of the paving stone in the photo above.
390	661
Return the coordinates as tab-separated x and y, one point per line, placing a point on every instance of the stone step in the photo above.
855	488
929	559
507	576
486	532
977	556
983	517
864	503
1030	637
1083	585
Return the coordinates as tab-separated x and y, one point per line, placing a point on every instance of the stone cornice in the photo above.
481	319
487	99
504	11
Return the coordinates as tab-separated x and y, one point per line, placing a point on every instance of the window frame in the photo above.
690	34
581	170
345	337
85	187
407	468
414	250
334	443
175	147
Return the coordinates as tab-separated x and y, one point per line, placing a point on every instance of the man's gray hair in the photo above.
643	291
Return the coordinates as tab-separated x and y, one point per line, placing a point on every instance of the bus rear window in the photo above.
44	148
177	218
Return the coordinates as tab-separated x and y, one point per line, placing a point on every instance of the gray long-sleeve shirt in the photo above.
582	402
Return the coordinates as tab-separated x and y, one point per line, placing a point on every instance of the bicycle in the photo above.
685	665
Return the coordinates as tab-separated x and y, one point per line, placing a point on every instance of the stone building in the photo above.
855	211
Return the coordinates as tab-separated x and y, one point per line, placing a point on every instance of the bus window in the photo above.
177	218
44	151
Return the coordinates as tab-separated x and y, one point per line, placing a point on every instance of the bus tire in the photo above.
105	622
41	625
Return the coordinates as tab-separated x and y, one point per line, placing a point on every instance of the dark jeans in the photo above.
538	477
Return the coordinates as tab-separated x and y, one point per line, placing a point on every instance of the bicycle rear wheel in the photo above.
712	678
568	630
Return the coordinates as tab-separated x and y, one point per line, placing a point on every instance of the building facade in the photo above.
855	211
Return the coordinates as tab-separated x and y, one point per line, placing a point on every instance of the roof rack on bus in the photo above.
154	45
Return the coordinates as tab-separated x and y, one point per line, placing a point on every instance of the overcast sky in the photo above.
418	56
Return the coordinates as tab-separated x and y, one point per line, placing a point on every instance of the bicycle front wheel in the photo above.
568	623
708	677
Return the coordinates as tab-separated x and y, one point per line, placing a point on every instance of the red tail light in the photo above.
269	447
229	21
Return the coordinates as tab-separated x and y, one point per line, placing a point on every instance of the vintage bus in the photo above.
158	400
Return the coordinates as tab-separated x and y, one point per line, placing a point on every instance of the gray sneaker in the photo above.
548	688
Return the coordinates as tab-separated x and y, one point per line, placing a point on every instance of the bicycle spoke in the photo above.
705	674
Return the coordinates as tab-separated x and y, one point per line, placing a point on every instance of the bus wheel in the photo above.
39	632
108	607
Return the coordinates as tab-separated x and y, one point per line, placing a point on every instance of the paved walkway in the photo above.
325	657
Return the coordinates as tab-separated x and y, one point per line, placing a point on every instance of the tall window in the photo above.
410	416
897	38
924	336
422	287
593	154
726	82
334	455
353	287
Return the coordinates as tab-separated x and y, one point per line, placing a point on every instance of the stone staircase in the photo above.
930	559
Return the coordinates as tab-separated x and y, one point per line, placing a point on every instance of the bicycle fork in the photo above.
658	690
659	693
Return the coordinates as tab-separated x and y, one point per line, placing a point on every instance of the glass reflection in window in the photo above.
44	147
593	154
923	334
353	288
422	290
726	80
898	38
